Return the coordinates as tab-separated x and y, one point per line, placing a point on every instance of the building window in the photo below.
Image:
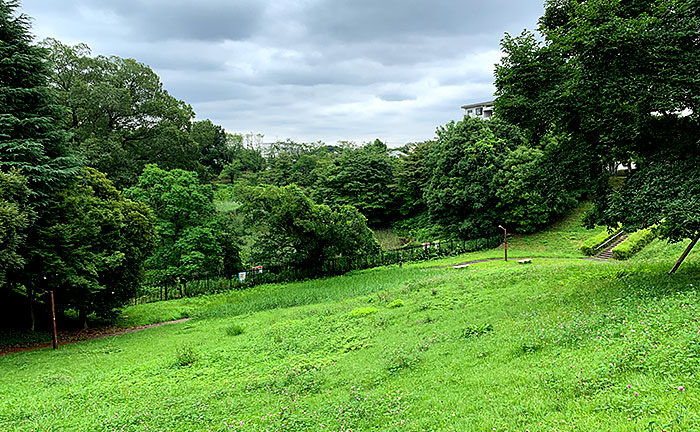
479	111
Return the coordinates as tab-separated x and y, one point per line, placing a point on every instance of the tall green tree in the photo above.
290	229
96	242
362	177
31	140
213	146
412	176
121	118
461	194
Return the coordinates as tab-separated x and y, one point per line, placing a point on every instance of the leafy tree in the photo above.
213	145
95	243
461	194
292	230
121	118
246	156
362	177
412	176
190	245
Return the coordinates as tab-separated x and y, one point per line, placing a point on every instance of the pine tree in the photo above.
30	138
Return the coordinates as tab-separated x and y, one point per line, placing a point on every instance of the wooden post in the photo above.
53	317
685	253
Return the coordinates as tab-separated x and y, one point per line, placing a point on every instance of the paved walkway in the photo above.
526	258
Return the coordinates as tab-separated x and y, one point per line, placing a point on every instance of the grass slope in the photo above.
557	345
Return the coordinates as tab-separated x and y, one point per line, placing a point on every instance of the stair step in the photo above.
607	252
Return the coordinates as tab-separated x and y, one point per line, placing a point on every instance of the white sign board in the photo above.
241	276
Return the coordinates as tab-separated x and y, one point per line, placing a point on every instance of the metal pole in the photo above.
505	242
53	317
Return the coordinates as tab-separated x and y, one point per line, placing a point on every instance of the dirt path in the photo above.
522	258
65	338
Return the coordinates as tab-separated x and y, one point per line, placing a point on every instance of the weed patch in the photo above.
363	312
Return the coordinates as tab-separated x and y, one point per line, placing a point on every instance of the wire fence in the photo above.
273	274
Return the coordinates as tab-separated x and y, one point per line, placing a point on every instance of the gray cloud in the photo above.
187	20
371	19
305	69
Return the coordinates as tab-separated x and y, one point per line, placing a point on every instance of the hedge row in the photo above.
633	244
588	247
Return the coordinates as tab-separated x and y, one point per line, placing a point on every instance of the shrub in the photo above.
234	330
185	355
401	358
396	303
475	330
633	244
364	311
588	247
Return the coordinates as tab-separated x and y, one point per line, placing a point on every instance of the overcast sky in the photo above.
306	70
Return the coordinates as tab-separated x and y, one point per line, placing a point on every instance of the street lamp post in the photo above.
505	243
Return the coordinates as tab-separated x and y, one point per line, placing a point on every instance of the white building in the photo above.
483	110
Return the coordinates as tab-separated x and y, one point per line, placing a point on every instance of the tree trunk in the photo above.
32	316
685	253
82	317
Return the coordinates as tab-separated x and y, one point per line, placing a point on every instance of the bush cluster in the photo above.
633	244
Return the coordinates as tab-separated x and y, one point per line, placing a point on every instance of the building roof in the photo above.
477	105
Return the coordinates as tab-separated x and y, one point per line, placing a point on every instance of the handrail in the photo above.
608	241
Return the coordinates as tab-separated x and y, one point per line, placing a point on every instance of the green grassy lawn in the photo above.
556	345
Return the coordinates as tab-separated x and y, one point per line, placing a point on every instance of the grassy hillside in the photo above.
557	345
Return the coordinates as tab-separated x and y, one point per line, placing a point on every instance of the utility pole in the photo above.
505	243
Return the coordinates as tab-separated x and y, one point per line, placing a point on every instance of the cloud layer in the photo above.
305	69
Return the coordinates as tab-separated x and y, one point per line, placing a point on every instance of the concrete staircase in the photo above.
607	247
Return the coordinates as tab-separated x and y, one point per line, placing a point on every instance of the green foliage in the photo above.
15	216
362	177
121	118
31	145
476	330
663	191
363	312
634	243
412	176
292	230
213	146
588	247
234	330
94	246
461	195
395	304
536	185
244	156
598	74
194	243
185	355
